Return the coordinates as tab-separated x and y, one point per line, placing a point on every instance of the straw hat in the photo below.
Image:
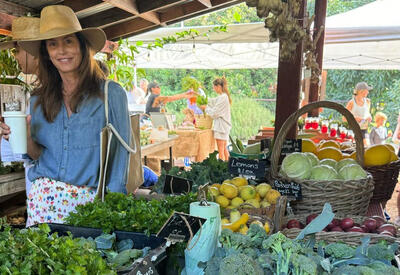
57	21
22	28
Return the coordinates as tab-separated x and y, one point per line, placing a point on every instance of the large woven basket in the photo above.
351	238
203	121
385	180
350	197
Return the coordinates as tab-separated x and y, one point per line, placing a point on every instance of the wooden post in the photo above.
289	83
320	15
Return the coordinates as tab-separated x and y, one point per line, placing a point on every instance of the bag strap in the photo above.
111	127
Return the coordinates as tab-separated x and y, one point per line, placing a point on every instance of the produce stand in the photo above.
154	154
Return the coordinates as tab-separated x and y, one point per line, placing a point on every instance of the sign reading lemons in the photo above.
252	168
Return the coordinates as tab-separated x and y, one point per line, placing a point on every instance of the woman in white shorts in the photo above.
219	108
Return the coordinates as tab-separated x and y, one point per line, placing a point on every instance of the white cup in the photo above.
16	120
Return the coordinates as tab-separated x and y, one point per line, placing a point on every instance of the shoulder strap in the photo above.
110	126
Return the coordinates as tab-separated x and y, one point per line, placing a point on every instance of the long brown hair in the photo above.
224	84
49	92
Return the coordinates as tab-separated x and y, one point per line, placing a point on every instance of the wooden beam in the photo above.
153	5
5	21
80	6
106	18
206	3
15	9
320	15
114	32
131	7
288	90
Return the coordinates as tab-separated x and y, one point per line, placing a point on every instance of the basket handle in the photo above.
293	118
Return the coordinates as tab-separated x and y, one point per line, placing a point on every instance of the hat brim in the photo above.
95	36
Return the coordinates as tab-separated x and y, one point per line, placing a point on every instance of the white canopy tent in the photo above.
364	38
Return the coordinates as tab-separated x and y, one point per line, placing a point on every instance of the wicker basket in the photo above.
350	197
351	238
385	180
203	121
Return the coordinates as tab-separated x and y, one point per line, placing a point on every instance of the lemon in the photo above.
214	191
227	181
257	222
262	189
253	202
229	190
239	181
329	153
248	193
307	145
265	204
224	221
234	216
329	143
377	155
217	185
237	201
272	196
222	201
230	207
257	197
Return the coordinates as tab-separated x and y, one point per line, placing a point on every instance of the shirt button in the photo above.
65	147
65	127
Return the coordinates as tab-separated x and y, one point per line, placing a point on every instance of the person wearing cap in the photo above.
359	106
154	100
67	116
22	28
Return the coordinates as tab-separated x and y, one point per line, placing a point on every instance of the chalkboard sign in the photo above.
266	144
177	185
251	168
291	146
290	189
145	267
177	227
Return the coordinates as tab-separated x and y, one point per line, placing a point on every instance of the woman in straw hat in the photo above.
22	28
67	115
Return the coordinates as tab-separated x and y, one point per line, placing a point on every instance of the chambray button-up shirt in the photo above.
71	145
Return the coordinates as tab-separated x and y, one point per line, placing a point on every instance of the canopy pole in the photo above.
320	16
288	88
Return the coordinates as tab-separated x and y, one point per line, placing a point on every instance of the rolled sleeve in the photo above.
119	156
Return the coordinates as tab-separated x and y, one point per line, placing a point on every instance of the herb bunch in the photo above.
126	213
34	251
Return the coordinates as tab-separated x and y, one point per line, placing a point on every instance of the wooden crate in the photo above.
12	183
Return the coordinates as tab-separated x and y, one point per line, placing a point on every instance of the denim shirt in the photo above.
71	146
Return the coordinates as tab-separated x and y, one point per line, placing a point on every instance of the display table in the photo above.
194	143
156	149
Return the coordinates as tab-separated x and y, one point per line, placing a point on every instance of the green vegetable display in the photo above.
201	100
277	254
34	251
124	212
211	170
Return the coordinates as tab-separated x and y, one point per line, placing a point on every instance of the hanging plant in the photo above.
282	21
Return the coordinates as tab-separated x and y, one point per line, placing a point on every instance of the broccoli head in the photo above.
380	252
257	235
346	270
303	265
275	241
340	251
240	264
381	268
267	262
229	239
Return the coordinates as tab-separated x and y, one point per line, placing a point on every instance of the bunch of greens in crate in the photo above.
35	251
13	167
257	253
211	170
126	213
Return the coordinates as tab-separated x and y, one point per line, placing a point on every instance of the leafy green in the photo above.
124	212
34	251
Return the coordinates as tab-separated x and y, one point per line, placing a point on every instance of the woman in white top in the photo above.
360	105
219	109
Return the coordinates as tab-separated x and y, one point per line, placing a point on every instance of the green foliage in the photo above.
338	6
124	212
190	82
34	251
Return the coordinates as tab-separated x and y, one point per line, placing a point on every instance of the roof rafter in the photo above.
131	6
15	9
127	28
206	3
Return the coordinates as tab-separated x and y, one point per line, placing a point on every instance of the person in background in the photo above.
67	115
360	106
219	109
22	28
191	102
155	100
379	133
143	86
